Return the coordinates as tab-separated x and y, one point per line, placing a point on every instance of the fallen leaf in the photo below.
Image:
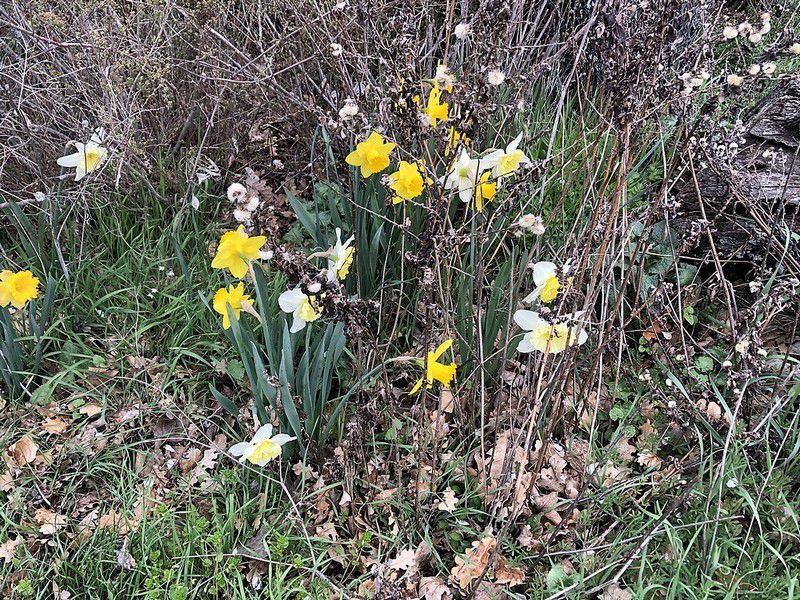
115	521
49	521
55	425
526	539
24	451
614	592
90	410
504	574
474	563
124	558
449	501
8	549
714	411
433	588
406	560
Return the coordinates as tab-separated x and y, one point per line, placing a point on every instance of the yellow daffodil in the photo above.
547	283
88	157
233	297
436	371
372	155
547	337
236	250
340	258
454	140
304	308
18	288
485	191
508	161
263	448
407	182
436	109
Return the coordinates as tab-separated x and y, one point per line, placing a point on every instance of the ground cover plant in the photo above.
399	300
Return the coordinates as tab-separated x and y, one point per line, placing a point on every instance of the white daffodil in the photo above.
301	306
547	283
340	258
263	448
547	337
505	162
465	174
88	157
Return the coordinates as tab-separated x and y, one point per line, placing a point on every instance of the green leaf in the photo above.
224	401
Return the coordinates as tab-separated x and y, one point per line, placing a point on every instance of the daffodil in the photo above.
303	308
508	161
547	283
547	337
340	257
407	182
455	139
372	155
436	371
263	448
88	157
436	109
18	288
464	174
233	297
485	191
236	250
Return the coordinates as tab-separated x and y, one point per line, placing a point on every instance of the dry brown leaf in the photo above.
449	501
115	521
434	588
406	560
49	521
7	482
625	449
489	591
446	401
8	549
526	539
474	563
55	425
90	410
647	459
124	558
24	451
504	574
614	592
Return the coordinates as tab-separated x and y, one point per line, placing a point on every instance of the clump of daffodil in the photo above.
233	297
407	182
236	250
545	276
436	371
455	139
547	337
485	191
436	110
304	308
340	258
18	288
508	161
371	155
88	157
263	448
